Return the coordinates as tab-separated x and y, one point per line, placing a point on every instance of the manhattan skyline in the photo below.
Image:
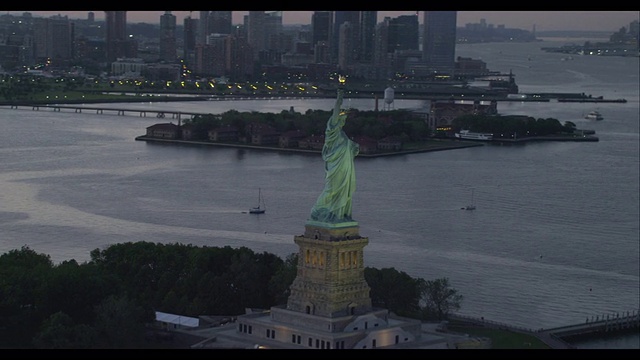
542	20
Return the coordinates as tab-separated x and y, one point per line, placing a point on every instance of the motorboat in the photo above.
594	115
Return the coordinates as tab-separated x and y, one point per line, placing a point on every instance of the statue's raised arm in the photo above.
337	112
334	204
338	106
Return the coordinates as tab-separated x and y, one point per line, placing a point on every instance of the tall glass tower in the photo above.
116	34
168	37
439	41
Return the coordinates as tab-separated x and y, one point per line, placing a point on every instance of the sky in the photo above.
610	21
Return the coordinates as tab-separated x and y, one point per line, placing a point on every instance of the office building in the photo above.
168	37
404	33
256	32
439	42
220	22
321	23
381	50
117	43
203	28
190	31
52	39
368	22
339	18
346	46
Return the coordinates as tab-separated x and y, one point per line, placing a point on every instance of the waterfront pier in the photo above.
561	337
599	325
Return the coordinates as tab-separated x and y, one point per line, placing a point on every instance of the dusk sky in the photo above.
543	20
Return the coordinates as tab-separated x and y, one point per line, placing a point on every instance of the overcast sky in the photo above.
542	20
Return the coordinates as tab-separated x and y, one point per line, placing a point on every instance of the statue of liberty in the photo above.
334	204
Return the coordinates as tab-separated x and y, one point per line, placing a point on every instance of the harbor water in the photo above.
553	241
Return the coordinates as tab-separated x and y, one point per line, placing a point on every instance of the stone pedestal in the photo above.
331	232
329	306
330	280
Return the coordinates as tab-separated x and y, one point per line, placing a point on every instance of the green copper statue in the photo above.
334	204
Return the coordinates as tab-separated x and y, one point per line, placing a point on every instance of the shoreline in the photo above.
439	145
444	92
430	146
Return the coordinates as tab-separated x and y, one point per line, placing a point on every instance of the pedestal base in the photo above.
331	232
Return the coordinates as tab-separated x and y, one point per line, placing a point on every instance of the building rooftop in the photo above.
226	337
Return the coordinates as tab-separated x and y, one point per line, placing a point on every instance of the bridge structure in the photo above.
178	115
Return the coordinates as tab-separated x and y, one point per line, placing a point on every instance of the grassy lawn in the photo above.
501	339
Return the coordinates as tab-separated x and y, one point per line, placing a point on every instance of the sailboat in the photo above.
261	208
472	205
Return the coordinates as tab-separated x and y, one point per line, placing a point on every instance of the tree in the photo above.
283	278
22	275
121	322
74	289
439	299
394	290
569	126
60	332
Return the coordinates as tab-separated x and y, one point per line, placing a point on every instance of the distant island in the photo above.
624	42
378	133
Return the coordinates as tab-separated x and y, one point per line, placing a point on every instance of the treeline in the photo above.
108	301
402	124
374	124
508	125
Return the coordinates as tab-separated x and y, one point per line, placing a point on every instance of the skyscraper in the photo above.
321	27
380	58
168	37
346	55
339	18
52	38
220	22
256	35
321	22
368	21
272	28
203	28
117	43
189	42
404	33
439	41
239	60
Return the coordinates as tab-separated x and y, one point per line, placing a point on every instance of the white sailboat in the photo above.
472	204
261	208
